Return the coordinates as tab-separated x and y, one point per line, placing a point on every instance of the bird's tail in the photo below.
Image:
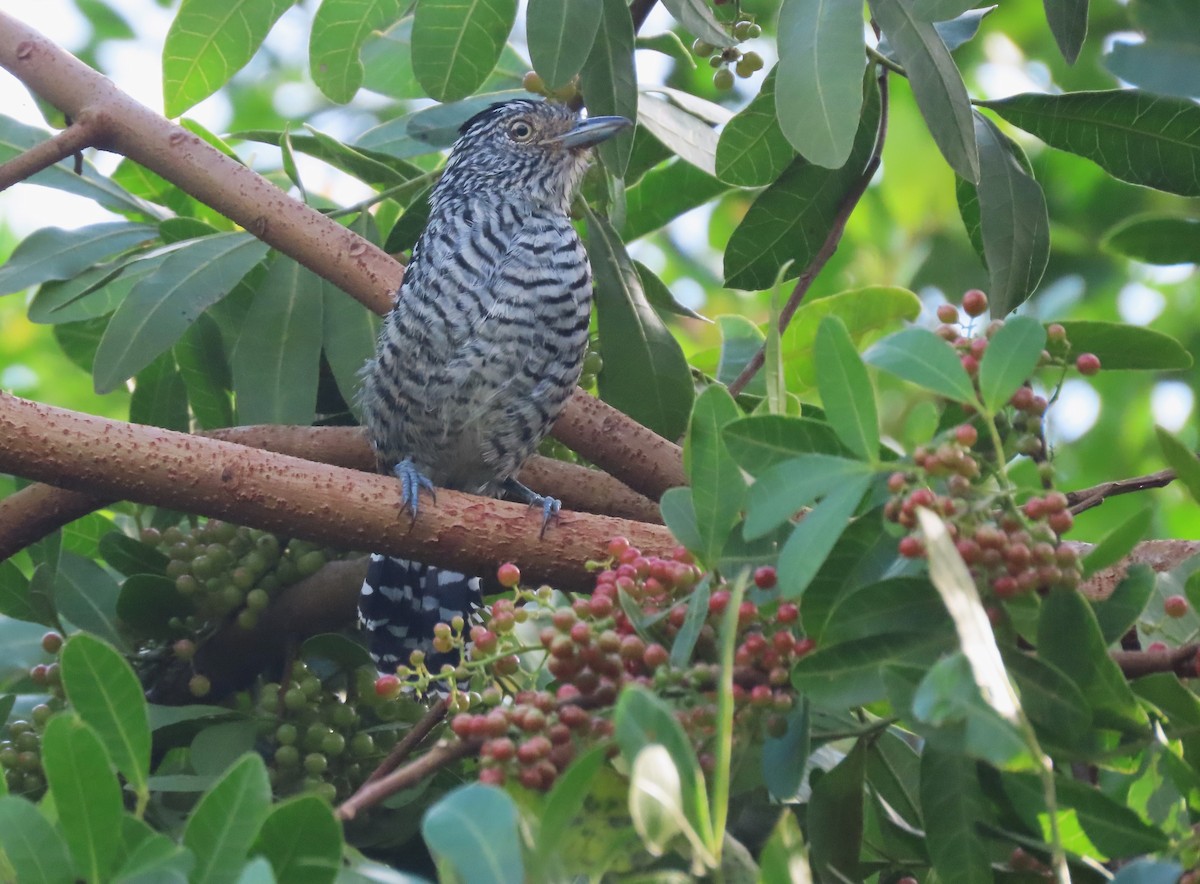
400	603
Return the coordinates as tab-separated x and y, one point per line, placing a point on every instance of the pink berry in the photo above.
764	577
1088	363
1175	606
508	575
975	303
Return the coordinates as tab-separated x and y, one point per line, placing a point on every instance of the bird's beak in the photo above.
592	131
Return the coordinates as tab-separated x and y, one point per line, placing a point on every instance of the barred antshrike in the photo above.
483	347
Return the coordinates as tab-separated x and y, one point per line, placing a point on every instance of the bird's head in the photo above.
536	149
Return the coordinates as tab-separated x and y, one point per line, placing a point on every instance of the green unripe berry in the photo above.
310	563
295	700
199	686
315	763
247	619
257	599
716	61
328	791
362	745
333	744
311	685
287	756
741	30
702	47
723	79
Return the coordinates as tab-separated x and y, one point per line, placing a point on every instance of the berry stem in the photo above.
723	739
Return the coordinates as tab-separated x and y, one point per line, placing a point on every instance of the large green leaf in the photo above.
56	254
752	150
456	43
208	43
1139	138
690	138
159	397
1117	543
1068	24
663	194
921	357
645	373
87	596
697	17
302	840
162	306
226	821
1156	239
14	593
31	844
791	219
1166	67
1014	222
339	29
851	673
609	81
86	794
1012	355
835	819
846	390
107	695
277	356
952	805
936	83
1122	346
560	34
780	492
811	541
820	79
94	292
474	830
348	338
204	369
760	441
717	485
1182	460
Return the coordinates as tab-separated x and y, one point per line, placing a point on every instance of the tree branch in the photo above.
1086	498
371	793
828	247
1181	661
68	142
120	124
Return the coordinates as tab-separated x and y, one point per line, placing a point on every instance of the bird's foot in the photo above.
550	505
412	481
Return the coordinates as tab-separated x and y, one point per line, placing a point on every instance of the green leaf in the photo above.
86	794
86	595
1086	662
1148	871
1139	138
560	34
108	696
811	541
642	719
936	83
919	356
456	44
565	801
162	305
156	860
784	858
952	805
835	819
660	296
820	79
761	441
781	491
752	150
687	136
846	390
159	396
275	363
697	18
94	292
1156	239
851	673
131	556
256	871
204	368
1118	613
216	748
14	594
336	647
473	830
645	373
148	602
1166	67
1182	460
697	614
227	819
896	604
1056	707
1011	357
679	515
208	43
1117	543
1068	24
791	219
940	10
302	840
609	82
785	757
31	844
56	254
1013	219
718	487
1122	346
339	29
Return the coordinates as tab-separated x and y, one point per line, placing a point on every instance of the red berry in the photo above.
616	546
1005	586
1156	646
947	313
655	656
911	547
747	612
462	725
1175	606
971	364
787	613
387	687
1088	363
718	601
52	642
764	577
508	575
804	645
600	606
975	303
966	435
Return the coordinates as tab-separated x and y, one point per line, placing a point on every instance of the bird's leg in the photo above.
550	505
412	481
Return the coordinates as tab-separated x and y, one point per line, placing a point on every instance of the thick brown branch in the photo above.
1086	498
331	505
68	142
1181	661
441	755
829	246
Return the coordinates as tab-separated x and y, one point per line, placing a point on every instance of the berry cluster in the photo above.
727	61
591	646
21	751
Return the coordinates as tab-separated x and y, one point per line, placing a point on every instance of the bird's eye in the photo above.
519	130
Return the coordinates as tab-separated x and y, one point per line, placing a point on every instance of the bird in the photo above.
482	349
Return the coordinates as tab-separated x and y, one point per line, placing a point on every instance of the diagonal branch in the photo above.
1086	498
69	142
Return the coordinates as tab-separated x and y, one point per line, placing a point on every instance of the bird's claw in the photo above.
550	505
412	481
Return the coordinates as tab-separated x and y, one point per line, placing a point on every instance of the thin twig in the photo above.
71	140
829	247
1086	498
441	755
411	740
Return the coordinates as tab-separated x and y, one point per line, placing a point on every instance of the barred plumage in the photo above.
486	340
